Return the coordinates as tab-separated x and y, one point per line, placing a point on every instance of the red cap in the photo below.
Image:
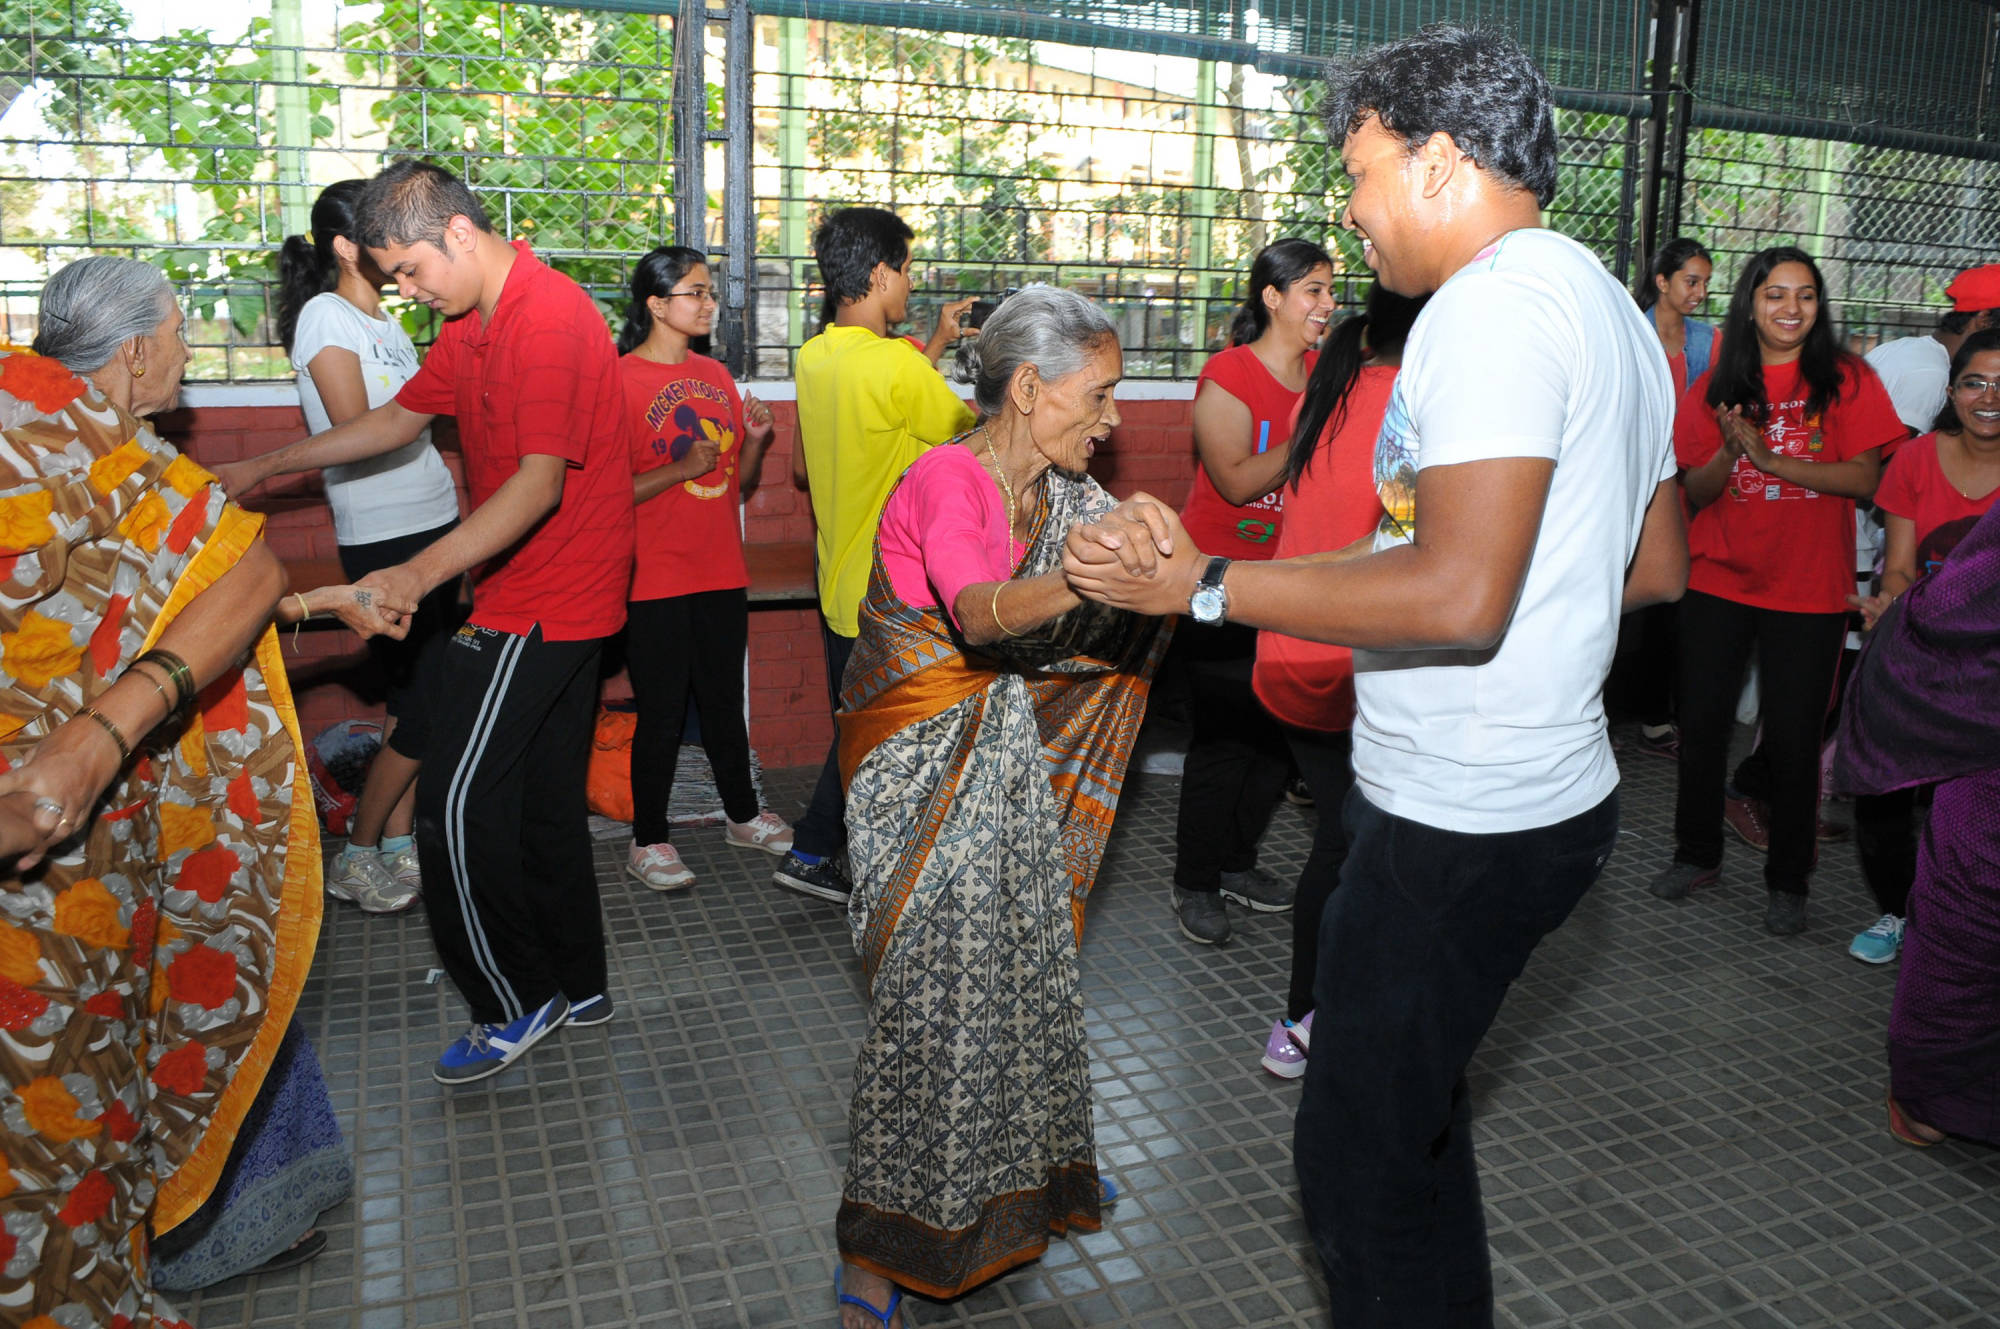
1975	289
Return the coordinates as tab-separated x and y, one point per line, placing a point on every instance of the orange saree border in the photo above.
918	697
301	899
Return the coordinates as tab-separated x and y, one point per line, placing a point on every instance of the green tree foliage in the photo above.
561	118
919	123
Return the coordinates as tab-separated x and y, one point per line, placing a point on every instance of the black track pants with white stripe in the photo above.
502	829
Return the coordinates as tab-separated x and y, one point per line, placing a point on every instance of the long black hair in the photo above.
1278	265
307	266
657	274
1671	258
1379	329
1986	339
1737	378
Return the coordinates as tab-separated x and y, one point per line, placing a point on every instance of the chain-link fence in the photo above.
201	149
1143	178
1889	227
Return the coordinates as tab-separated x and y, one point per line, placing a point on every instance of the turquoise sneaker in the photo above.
1881	943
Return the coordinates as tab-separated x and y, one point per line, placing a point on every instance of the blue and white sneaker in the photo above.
1881	943
488	1049
590	1011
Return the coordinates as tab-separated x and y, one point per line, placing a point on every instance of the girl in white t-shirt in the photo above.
349	359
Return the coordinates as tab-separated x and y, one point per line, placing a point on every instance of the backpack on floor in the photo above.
337	761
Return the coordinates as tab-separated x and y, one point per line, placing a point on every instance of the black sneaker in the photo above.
1259	890
824	880
1203	916
1298	793
589	1011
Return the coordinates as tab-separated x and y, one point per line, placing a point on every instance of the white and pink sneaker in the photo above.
1285	1051
659	867
766	831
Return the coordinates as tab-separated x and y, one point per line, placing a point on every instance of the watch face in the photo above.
1206	604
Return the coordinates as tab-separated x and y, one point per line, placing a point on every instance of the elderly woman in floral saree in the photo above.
986	719
159	898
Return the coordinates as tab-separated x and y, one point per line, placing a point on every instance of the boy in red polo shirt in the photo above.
526	364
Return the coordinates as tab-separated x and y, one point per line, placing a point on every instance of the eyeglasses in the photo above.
1976	387
701	295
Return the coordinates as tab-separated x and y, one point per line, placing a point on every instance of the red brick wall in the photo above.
789	724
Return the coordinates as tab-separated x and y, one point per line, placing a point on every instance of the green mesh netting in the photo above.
1870	68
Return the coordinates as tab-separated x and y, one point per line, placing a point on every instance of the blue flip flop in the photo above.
895	1300
1107	1192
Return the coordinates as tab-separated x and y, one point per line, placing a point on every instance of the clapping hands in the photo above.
1742	438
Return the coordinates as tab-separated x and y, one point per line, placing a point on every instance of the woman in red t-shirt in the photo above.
1306	686
696	447
1936	491
1775	443
1236	759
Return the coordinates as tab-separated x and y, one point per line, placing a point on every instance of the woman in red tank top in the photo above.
1236	759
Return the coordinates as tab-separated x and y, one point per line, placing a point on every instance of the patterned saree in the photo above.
981	787
149	966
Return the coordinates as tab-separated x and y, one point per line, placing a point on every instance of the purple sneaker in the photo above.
1285	1051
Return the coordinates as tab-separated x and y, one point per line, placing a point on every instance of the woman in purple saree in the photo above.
1924	705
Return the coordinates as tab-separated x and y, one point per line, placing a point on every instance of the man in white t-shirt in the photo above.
1527	479
1916	369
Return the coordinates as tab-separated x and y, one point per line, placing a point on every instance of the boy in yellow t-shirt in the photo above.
868	405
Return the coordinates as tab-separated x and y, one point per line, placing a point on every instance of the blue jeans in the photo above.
1416	952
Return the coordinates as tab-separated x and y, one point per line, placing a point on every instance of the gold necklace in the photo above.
1006	485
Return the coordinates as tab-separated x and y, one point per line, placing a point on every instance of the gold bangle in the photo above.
994	609
305	612
157	687
178	672
117	735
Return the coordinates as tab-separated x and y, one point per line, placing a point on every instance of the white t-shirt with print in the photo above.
399	493
1530	350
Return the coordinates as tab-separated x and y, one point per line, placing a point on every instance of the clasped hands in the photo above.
1742	438
1136	557
370	607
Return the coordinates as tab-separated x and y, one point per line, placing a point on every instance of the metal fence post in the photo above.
1676	25
739	217
690	103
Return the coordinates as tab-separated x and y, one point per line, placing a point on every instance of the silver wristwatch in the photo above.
1210	603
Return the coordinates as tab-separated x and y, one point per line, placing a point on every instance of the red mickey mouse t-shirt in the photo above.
690	536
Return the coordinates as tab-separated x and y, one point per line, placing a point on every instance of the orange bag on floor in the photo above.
609	784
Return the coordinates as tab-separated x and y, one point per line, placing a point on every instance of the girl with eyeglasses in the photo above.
696	447
1939	487
1775	443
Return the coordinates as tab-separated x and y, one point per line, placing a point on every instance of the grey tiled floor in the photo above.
1679	1121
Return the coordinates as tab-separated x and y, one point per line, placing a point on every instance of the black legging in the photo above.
1326	760
1236	766
1798	656
672	645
